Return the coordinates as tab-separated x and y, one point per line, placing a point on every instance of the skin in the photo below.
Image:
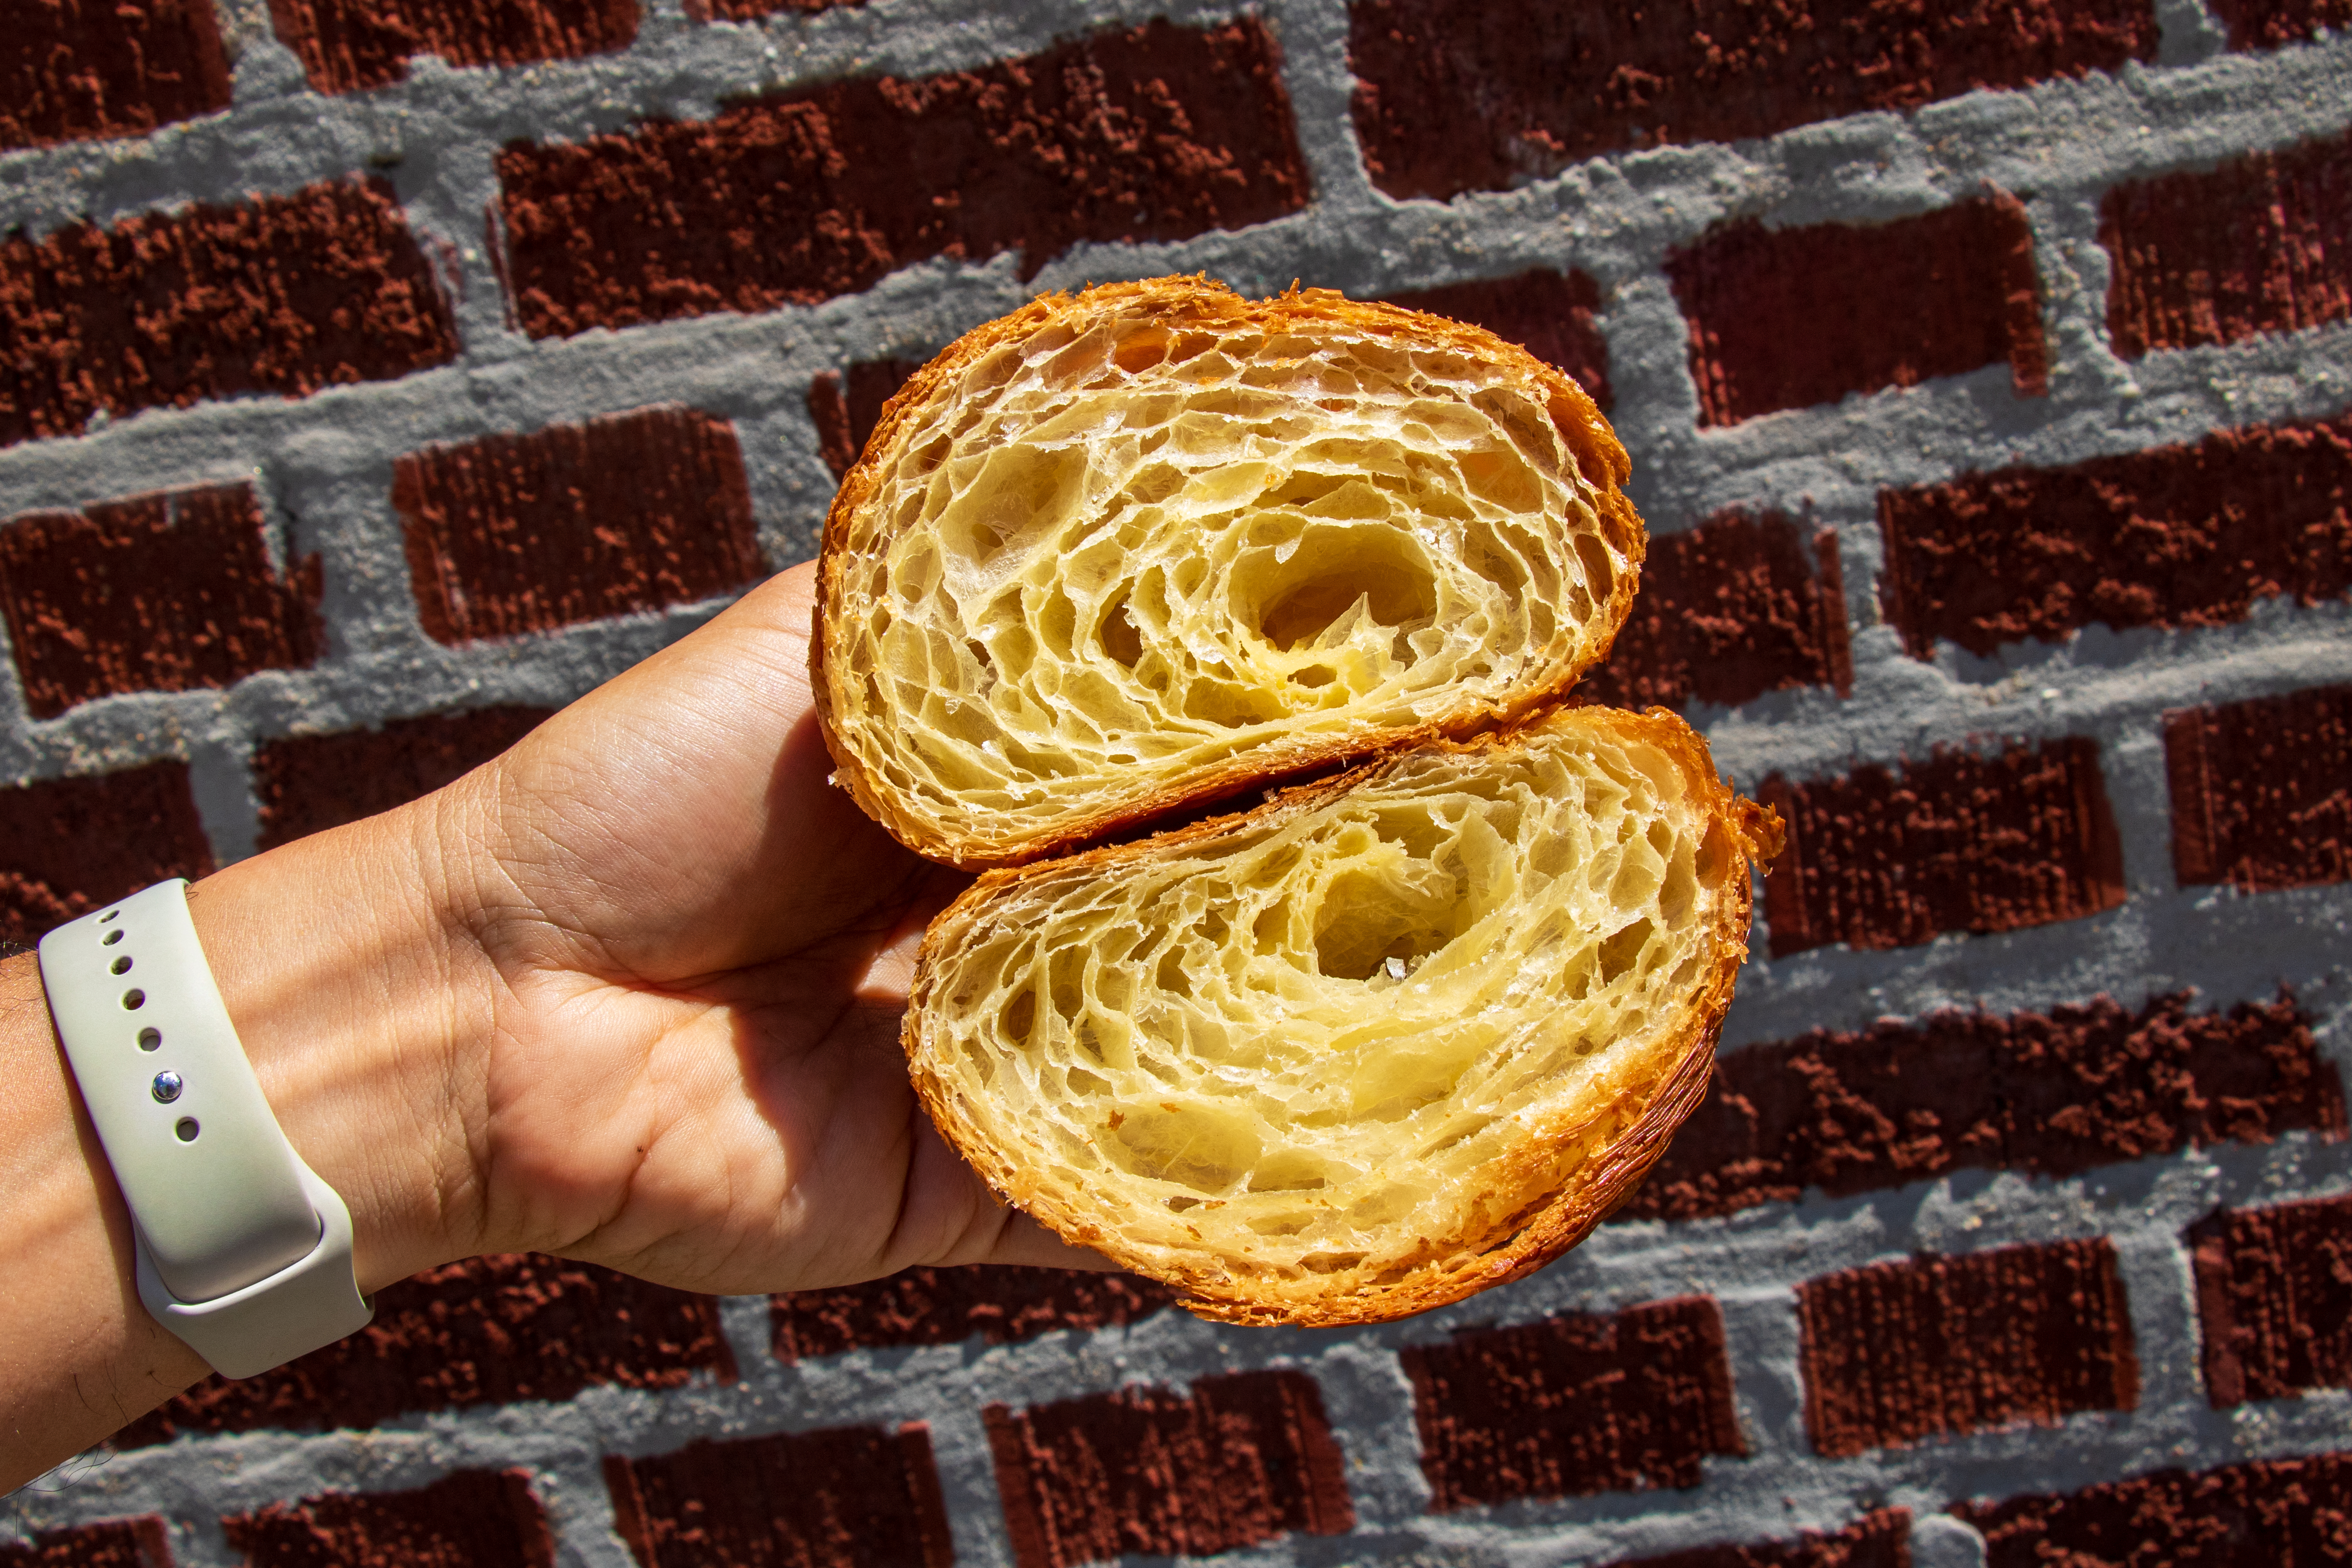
630	994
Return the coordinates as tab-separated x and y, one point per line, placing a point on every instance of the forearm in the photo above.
80	1355
353	1003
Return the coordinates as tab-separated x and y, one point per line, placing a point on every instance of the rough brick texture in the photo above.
474	1519
1888	857
1729	610
1548	314
487	1330
947	1306
846	409
1879	1540
1574	1404
2262	790
347	45
1153	134
2254	245
2274	1300
2173	536
1248	1457
1459	95
279	294
2278	1514
2267	24
632	512
1785	317
1897	1352
68	846
306	783
72	70
2051	1094
117	1544
159	592
855	1497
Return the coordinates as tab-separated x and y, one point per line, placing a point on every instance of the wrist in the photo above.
356	998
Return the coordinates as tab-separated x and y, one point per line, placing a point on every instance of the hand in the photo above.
697	952
631	993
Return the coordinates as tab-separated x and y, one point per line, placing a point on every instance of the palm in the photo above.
701	950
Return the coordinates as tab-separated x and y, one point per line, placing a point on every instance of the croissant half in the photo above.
1128	551
1387	1040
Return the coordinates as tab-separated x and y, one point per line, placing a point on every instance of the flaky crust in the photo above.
875	738
1577	1162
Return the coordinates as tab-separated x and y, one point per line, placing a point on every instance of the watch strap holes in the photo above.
186	1130
133	999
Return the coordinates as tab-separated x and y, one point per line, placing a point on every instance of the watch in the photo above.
242	1251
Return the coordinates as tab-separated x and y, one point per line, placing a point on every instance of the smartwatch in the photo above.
242	1251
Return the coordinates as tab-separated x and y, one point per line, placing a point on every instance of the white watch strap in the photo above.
242	1251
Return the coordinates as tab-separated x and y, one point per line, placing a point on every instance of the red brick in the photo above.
1159	133
69	846
632	512
948	1306
1729	610
348	45
117	1544
2262	791
2049	1094
1575	1405
2267	24
306	784
277	294
2173	536
1937	1346
1248	1457
857	1497
1787	317
1459	95
1880	1540
1885	856
845	417
474	1519
2274	1300
2277	1513
1548	314
488	1331
2255	245
171	592
75	70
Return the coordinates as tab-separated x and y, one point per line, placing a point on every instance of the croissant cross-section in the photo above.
1156	543
1386	1041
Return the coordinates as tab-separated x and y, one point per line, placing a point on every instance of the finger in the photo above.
680	820
1023	1240
892	976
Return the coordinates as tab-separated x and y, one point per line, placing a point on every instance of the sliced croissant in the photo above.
1385	1041
1114	555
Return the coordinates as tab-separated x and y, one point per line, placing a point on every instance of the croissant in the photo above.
1156	544
1389	1037
1387	1040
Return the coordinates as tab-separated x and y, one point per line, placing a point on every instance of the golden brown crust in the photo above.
1579	1166
1189	303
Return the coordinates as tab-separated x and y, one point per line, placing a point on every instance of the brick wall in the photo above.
381	376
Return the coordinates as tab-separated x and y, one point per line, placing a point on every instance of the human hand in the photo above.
629	993
702	949
671	961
